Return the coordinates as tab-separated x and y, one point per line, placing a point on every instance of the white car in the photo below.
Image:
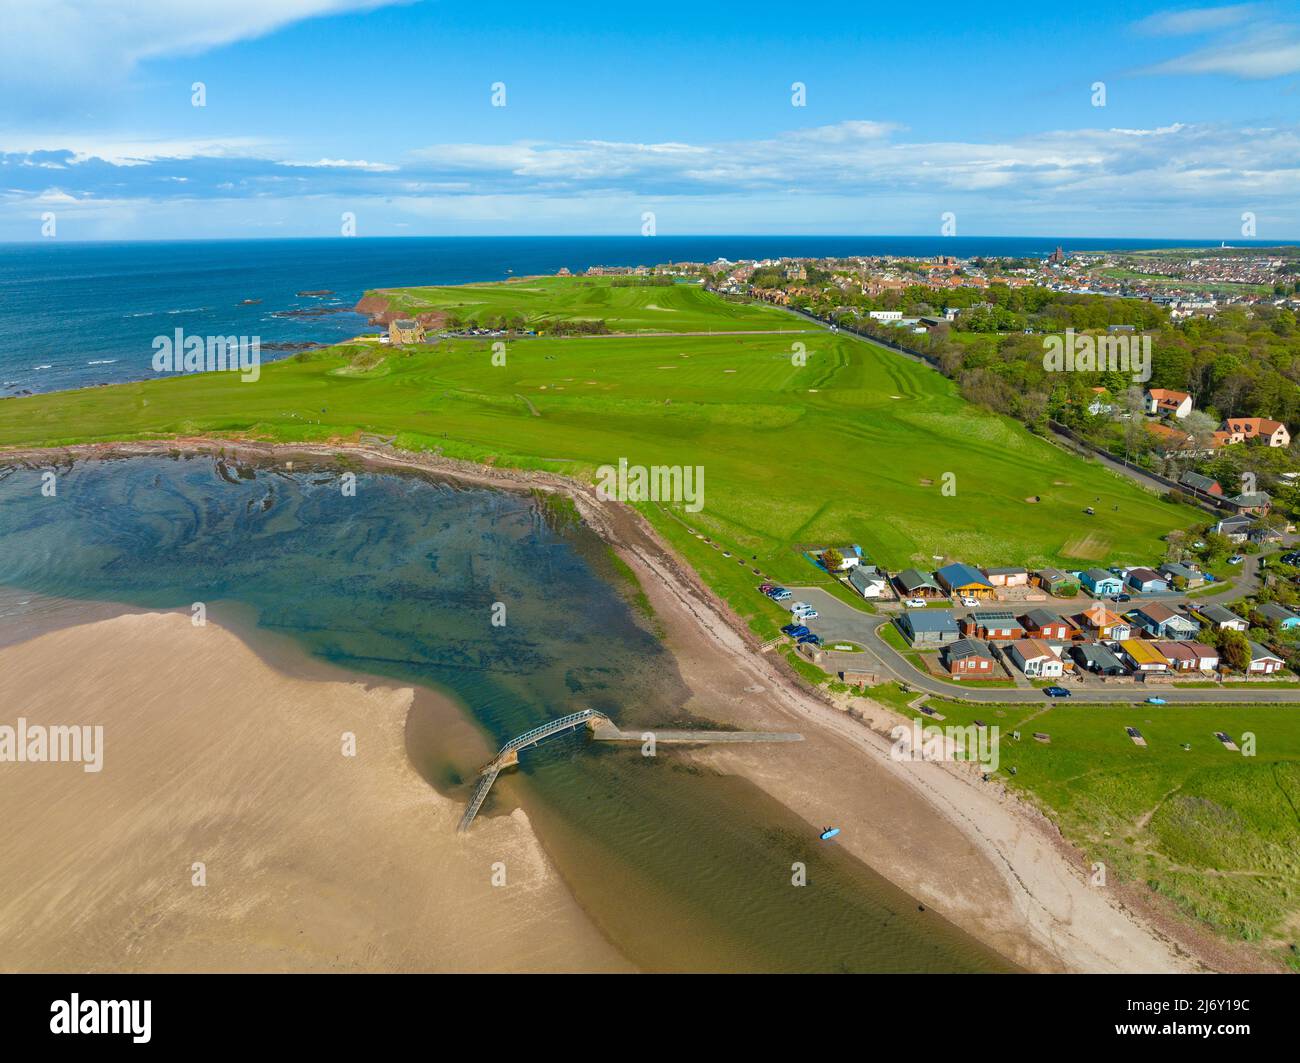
970	603
1236	559
915	603
799	607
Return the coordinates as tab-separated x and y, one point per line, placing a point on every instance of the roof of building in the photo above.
1012	570
1197	480
930	620
1096	574
1258	652
1100	616
1145	575
1176	651
1218	614
914	579
1029	649
1095	653
1004	617
406	323
1165	394
1177	568
1202	650
1252	499
960	574
1275	612
1053	574
1040	618
1142	651
1159	612
861	575
968	648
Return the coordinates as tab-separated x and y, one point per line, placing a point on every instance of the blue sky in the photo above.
385	111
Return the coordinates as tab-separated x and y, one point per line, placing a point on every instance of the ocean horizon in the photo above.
82	314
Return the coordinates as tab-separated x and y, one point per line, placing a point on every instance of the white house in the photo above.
868	581
1035	658
1168	403
886	315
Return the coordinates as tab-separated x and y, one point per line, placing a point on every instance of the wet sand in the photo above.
314	861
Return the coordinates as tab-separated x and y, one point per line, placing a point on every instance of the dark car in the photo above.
796	631
1122	598
1056	692
816	640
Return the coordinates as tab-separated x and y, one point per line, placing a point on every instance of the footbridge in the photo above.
603	729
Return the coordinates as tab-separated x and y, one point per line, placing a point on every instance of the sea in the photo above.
83	314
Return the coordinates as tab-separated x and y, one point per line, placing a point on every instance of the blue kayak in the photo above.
830	832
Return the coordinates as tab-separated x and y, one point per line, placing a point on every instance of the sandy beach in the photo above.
970	851
313	861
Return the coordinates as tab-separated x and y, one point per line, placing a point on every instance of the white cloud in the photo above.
1245	41
54	42
344	164
1196	20
82	148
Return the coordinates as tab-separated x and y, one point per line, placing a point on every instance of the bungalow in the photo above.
1044	624
913	583
1158	620
1179	656
1057	583
1235	528
1197	482
1104	624
1284	617
1007	577
1143	656
992	624
968	657
1261	534
868	581
964	580
1147	581
1220	618
1035	658
1101	583
850	557
1207	657
405	330
1097	659
1166	403
1263	661
1181	576
1272	432
1251	502
928	627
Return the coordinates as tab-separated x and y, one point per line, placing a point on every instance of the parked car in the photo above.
780	594
1157	701
796	631
1236	559
799	607
767	588
809	614
915	603
1292	558
1122	598
816	640
970	603
1056	692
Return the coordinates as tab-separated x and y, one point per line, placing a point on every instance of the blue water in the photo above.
74	315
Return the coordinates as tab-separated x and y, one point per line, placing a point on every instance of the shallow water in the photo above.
682	869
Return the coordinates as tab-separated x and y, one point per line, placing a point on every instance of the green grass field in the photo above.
1216	832
623	307
853	447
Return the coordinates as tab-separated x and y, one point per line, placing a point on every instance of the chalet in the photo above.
1101	623
1165	403
1235	528
1274	433
1057	583
968	657
965	581
1035	658
992	624
868	581
1264	661
1284	618
1158	620
1180	576
1147	581
1101	583
1262	534
1179	656
1220	618
1097	659
1251	502
1007	577
928	627
1044	624
849	558
1205	484
913	583
405	330
1207	657
1142	656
